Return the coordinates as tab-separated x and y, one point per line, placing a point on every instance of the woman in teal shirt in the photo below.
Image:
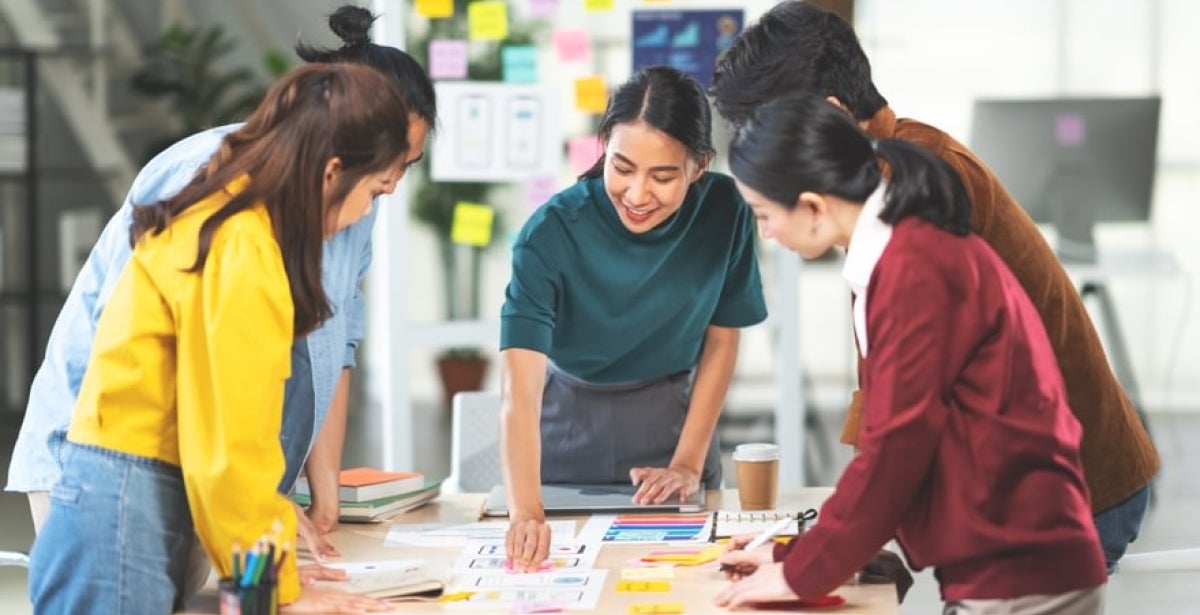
619	331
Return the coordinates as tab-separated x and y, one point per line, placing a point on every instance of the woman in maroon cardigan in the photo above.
969	455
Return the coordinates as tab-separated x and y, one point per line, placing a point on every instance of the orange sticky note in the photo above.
435	9
591	95
487	21
598	5
472	224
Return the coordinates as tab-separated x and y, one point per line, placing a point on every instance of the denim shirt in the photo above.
308	392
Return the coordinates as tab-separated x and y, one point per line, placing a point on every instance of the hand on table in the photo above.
765	585
657	485
323	518
737	563
328	600
527	541
312	538
316	572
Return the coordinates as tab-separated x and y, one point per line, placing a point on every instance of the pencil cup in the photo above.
261	599
757	466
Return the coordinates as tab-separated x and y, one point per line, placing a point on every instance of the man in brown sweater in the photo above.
798	47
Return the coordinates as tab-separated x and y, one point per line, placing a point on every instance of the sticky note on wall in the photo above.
447	59
591	96
472	224
435	9
543	8
539	189
583	152
572	45
487	21
598	5
520	64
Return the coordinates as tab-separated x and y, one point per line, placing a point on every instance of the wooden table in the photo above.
694	586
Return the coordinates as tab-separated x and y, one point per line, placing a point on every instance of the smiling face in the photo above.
647	174
808	228
361	198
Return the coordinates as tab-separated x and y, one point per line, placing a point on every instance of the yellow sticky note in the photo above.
598	5
644	586
648	573
656	608
487	21
435	9
472	224
591	95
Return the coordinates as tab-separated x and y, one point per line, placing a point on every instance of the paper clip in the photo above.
656	608
643	586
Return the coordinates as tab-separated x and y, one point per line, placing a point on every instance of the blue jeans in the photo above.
1119	525
117	537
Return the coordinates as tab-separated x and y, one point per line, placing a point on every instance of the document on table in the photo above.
560	590
664	528
455	535
491	556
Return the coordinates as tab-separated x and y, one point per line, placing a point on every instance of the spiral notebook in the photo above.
736	522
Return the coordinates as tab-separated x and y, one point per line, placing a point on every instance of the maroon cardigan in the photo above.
968	453
1118	457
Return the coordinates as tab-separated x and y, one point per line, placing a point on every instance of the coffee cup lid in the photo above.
756	451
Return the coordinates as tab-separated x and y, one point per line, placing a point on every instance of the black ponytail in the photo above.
805	144
352	24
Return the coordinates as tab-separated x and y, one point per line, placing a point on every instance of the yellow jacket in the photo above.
188	368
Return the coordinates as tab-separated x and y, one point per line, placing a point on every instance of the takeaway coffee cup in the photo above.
757	466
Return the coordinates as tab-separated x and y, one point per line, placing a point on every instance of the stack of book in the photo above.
368	495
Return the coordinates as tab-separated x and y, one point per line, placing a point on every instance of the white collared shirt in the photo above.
867	243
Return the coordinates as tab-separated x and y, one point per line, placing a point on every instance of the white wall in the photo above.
932	58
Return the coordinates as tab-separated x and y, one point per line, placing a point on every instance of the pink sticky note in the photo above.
543	8
572	45
447	59
583	153
539	189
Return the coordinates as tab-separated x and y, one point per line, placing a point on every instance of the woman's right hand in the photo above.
315	599
527	541
736	562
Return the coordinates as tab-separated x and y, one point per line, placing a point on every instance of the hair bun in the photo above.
352	24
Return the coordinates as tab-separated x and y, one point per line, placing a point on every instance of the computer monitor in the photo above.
1072	162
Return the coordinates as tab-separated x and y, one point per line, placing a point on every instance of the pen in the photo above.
762	539
769	533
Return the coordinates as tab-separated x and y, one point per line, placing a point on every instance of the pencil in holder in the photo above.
260	599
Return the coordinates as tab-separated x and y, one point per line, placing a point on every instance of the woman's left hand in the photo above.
656	485
765	585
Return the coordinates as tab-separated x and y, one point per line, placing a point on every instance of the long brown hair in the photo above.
314	113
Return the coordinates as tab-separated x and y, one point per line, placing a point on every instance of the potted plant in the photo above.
182	67
433	204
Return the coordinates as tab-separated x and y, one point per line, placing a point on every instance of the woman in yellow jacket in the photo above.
177	425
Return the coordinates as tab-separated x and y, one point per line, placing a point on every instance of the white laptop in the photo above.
577	499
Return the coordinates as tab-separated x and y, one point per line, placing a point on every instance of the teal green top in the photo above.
607	305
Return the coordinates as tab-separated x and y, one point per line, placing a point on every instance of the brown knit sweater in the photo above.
1118	457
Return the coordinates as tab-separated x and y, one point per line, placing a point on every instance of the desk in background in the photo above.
695	586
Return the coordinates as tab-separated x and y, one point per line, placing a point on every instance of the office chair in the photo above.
474	443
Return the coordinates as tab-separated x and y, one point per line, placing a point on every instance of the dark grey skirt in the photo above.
596	433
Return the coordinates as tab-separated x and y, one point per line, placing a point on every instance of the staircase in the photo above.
87	50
